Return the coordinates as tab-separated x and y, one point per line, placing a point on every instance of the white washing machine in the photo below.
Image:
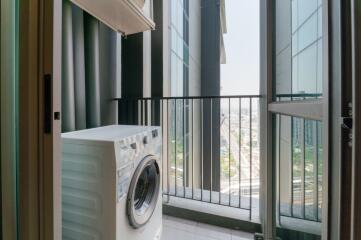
111	183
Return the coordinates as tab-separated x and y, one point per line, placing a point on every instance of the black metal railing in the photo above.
301	169
300	165
211	151
211	146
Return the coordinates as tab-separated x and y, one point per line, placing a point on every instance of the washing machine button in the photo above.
145	140
133	146
155	133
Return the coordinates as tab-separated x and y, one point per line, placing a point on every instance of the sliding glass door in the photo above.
297	108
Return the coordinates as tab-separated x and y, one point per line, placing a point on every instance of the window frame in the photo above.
39	151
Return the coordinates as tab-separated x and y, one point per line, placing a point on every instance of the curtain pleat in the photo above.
79	68
108	65
91	71
68	104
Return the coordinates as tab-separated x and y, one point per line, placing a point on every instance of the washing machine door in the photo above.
143	192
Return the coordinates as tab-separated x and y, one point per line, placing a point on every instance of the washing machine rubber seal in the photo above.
143	194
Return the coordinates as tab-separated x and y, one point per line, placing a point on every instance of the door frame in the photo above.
339	61
316	109
340	97
39	151
9	110
356	158
268	218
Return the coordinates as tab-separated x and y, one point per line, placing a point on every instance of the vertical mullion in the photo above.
303	179
220	184
140	120
144	112
202	149
319	158
152	115
184	160
211	149
149	113
145	109
175	147
162	128
315	172
229	151
192	149
292	167
278	167
250	158
239	152
168	145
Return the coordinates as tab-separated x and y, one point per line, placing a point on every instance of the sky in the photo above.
240	74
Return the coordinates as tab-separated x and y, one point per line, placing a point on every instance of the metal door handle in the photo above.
48	103
346	122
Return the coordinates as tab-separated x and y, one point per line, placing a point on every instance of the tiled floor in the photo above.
180	229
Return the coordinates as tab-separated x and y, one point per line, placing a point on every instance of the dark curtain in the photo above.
91	71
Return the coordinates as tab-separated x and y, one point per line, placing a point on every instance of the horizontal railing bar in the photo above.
208	202
300	218
223	96
188	97
289	95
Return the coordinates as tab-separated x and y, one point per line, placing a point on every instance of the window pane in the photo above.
298	50
299	156
305	8
311	190
297	167
319	167
285	165
306	80
180	47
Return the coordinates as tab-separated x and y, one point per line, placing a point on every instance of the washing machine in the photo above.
111	183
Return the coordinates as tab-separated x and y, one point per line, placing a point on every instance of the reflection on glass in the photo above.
284	155
311	191
320	167
299	155
179	35
179	109
297	167
298	50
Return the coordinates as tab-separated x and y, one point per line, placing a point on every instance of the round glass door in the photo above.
143	192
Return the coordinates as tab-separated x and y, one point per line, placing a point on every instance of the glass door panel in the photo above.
299	174
297	105
298	50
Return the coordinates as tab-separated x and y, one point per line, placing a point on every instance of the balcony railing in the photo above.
211	150
211	147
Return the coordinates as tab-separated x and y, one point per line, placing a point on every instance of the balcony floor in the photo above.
180	229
